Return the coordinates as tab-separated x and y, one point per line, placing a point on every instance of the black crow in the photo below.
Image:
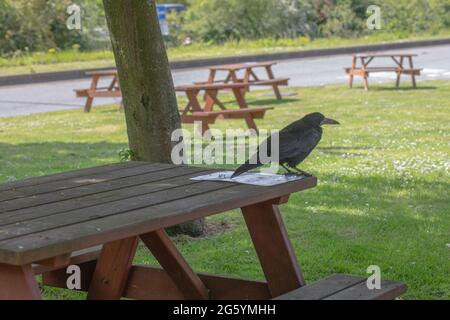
297	141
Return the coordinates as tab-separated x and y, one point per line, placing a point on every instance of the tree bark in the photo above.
149	98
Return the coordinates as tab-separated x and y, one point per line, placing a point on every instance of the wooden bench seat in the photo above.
269	82
279	82
98	93
345	287
210	117
257	113
359	71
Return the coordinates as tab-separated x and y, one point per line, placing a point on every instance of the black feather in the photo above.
296	142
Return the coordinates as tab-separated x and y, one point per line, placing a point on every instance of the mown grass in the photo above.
54	60
382	197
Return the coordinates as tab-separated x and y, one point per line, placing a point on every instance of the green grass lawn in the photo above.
73	59
382	198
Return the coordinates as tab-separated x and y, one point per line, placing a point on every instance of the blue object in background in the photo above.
163	10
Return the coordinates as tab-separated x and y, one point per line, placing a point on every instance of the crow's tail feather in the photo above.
244	168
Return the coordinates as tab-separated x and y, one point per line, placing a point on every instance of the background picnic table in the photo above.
360	67
249	75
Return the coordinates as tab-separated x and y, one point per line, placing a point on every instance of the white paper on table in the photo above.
256	179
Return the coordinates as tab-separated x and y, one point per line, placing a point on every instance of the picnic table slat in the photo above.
70	183
36	224
385	55
75	192
242	66
169	179
67	175
112	72
226	196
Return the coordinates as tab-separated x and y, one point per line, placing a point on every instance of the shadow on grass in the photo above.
348	223
420	88
268	102
337	148
33	159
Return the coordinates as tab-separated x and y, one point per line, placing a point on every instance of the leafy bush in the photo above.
38	25
414	16
212	20
20	30
341	20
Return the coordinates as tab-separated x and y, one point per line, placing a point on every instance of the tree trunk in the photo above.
149	98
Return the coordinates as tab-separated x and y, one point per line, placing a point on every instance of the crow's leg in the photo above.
301	171
289	172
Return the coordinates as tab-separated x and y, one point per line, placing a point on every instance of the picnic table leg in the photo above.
413	76
171	260
251	123
90	99
232	76
111	273
18	283
399	72
247	75
271	76
211	79
211	100
365	74
212	76
273	247
113	86
351	74
193	104
238	94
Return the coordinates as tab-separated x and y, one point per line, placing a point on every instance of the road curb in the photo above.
200	63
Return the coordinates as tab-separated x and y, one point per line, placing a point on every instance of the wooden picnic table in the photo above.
110	91
94	218
44	220
249	76
196	112
360	67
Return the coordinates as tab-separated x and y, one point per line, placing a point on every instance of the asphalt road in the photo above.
53	96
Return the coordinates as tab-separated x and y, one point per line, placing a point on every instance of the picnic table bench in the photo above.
94	218
360	67
110	91
249	77
205	114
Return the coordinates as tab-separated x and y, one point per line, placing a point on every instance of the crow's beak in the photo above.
329	121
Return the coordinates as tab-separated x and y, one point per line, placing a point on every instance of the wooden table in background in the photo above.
195	112
360	67
45	221
249	76
111	91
